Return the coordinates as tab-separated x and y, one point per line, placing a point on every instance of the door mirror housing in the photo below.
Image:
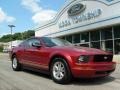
38	45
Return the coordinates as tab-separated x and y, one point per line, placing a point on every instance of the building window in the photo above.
100	39
69	38
117	46
84	37
117	31
95	45
85	45
107	45
76	38
95	35
106	33
62	38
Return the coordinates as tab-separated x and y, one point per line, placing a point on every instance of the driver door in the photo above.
33	55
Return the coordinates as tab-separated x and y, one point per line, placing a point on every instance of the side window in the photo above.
48	42
26	43
22	44
31	41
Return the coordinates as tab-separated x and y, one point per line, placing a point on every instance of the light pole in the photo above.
11	29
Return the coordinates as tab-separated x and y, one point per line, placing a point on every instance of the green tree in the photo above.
6	38
17	36
28	34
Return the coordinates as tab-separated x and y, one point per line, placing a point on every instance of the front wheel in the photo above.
15	64
60	71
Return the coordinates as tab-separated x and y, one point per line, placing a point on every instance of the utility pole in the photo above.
11	30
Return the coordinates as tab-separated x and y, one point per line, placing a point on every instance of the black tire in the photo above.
18	65
67	74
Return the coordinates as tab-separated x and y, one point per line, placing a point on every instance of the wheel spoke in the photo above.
61	74
56	68
62	69
59	65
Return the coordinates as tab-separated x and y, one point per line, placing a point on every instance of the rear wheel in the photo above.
16	66
60	71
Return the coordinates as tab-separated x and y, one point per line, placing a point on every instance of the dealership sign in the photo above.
75	19
76	9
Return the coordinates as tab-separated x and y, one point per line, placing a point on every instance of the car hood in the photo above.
82	50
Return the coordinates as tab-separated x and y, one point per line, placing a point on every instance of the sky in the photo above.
26	14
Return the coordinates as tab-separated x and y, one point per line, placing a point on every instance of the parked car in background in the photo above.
5	50
61	59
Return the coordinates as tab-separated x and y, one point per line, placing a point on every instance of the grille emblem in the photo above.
105	57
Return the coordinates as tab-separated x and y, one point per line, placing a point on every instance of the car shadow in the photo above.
76	81
95	81
37	73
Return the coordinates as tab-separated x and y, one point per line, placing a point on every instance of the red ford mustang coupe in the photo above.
61	59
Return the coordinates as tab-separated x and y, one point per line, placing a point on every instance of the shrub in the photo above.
1	48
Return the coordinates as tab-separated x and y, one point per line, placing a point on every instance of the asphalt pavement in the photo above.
29	80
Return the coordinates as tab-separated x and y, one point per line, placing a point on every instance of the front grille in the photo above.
103	58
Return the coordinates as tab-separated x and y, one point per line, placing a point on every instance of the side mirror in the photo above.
38	45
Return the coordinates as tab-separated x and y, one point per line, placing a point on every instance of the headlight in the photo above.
83	58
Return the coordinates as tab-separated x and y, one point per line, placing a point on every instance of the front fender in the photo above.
64	55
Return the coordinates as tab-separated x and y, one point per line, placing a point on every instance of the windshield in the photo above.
55	42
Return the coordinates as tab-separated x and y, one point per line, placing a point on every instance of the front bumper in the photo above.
92	70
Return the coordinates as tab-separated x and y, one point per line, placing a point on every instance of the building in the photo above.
1	43
90	23
9	45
